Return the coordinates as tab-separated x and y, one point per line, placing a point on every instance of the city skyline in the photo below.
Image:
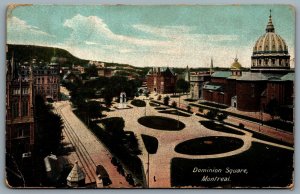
183	35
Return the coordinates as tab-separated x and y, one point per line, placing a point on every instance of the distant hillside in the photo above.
24	53
27	52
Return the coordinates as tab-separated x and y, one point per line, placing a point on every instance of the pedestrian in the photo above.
154	179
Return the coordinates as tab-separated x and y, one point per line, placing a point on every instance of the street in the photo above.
88	150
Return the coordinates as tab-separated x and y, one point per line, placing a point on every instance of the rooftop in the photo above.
221	74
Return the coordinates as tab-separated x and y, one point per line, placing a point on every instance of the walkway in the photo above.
160	163
264	129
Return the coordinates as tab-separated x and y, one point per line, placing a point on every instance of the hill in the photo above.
27	52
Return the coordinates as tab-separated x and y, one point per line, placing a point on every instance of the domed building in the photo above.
270	52
267	87
236	68
270	81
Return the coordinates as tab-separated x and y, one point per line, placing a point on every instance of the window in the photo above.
266	61
15	109
25	90
20	132
24	108
253	90
16	91
272	85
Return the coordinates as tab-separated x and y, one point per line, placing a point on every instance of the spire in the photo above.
236	59
15	70
211	65
270	26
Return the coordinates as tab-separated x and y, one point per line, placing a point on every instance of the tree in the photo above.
108	97
166	100
91	71
211	114
49	128
159	97
200	110
189	108
94	109
115	126
174	104
182	86
222	116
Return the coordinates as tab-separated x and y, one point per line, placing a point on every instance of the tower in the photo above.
211	66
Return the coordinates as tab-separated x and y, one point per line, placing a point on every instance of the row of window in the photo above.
17	91
16	109
272	62
49	80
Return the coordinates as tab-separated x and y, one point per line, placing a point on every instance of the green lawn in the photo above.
151	143
221	106
161	123
266	166
175	112
218	127
138	103
209	145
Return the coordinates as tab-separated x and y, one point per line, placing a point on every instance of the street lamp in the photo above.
178	112
145	99
261	119
148	164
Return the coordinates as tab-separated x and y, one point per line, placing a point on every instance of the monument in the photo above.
122	103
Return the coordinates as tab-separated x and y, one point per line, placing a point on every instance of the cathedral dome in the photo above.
270	50
270	43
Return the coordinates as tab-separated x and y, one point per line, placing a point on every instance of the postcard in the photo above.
150	96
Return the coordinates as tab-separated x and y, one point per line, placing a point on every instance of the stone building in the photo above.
47	82
161	80
197	81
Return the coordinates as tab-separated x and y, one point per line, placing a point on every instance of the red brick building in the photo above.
270	78
222	86
161	80
19	110
269	82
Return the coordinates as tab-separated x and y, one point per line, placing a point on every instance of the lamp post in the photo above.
178	112
261	119
148	166
145	100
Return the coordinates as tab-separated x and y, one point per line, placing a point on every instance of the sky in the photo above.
169	35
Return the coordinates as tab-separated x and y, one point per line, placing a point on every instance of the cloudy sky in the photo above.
151	35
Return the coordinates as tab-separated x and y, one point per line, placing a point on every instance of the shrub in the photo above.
189	108
222	116
211	114
159	97
200	110
241	125
174	104
166	100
